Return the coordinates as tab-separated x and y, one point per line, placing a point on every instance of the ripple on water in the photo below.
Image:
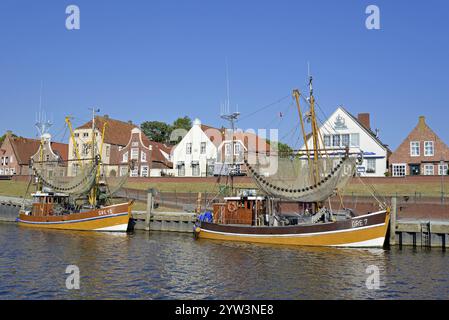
174	266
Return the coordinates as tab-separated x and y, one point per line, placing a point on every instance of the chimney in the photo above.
364	120
130	122
422	122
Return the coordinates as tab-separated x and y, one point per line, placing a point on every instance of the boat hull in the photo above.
363	231
113	218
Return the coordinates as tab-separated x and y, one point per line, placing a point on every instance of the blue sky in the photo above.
157	60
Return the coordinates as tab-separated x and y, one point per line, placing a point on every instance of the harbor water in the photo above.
164	265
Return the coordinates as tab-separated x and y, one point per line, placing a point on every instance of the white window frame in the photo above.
349	139
228	149
143	156
123	171
327	140
144	171
333	140
427	166
12	171
125	157
393	171
11	159
189	148
425	149
373	162
195	167
134	153
443	167
134	172
237	148
1	171
203	148
412	154
354	139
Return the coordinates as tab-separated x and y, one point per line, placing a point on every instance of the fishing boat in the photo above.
308	178
79	202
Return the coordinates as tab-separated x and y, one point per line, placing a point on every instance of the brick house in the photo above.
17	152
116	137
150	158
421	153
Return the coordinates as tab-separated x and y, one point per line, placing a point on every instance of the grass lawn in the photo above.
183	186
15	188
423	189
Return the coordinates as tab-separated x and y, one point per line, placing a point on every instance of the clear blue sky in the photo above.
157	60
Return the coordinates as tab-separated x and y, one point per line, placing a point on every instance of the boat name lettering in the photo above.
104	212
359	223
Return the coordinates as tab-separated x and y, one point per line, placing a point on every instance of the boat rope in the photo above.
264	107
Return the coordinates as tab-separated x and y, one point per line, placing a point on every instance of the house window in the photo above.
355	140
135	172
370	165
345	140
195	169
428	148
86	134
7	171
2	172
442	169
6	161
398	170
327	140
123	171
143	156
203	147
414	149
125	157
76	134
75	168
428	169
134	153
227	149
189	148
144	171
108	151
336	140
135	144
86	149
181	169
12	171
237	148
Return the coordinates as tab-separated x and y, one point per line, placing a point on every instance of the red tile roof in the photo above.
25	148
117	132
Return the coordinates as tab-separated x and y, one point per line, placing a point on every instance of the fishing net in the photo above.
295	178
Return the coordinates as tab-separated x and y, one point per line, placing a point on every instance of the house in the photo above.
343	130
116	136
207	151
148	158
54	154
17	153
196	153
421	153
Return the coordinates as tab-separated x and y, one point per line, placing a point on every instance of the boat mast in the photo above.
93	192
315	132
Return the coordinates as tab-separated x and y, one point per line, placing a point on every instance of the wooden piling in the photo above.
393	215
150	207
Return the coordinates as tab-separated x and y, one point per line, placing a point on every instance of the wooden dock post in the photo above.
150	207
393	215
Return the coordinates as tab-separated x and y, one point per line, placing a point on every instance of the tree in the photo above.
182	123
3	137
283	148
156	130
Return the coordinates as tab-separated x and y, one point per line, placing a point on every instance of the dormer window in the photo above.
125	157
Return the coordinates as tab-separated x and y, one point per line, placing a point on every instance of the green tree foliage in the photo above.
160	131
2	138
283	148
182	123
156	130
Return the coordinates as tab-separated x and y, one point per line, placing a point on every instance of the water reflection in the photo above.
171	265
